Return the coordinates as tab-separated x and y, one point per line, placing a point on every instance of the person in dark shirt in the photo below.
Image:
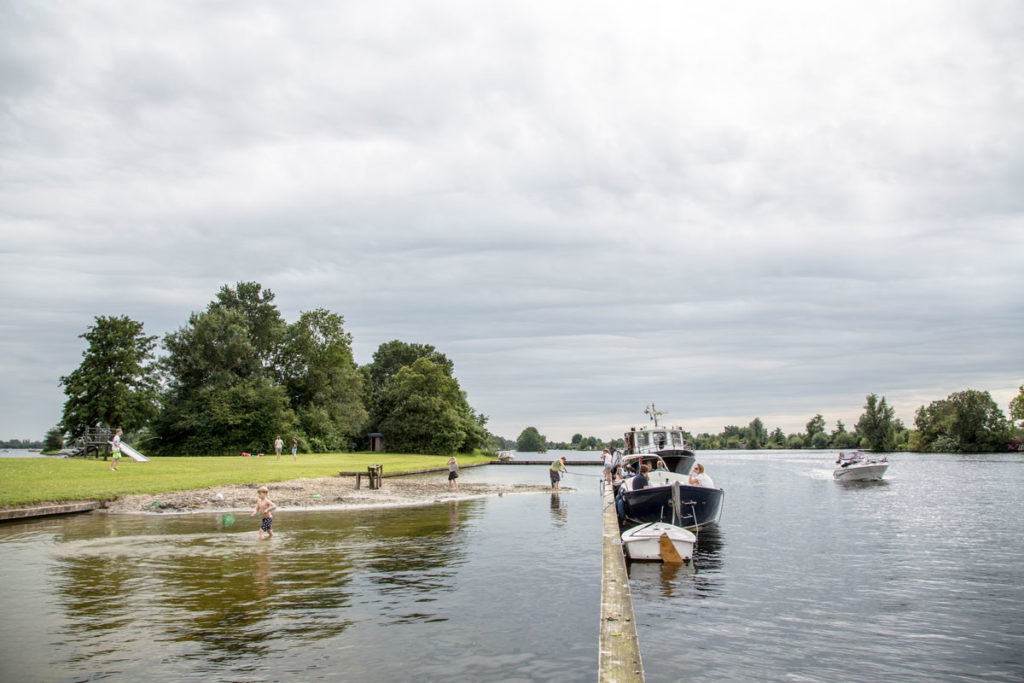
640	481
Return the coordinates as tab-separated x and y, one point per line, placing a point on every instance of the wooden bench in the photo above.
374	473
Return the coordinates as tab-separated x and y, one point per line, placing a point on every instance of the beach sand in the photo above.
337	493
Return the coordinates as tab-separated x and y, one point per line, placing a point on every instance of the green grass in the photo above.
33	480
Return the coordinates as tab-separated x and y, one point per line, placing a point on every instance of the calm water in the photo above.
916	578
919	577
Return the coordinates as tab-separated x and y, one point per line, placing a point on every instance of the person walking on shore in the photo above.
115	450
557	469
453	473
278	445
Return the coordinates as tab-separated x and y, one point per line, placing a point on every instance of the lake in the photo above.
914	578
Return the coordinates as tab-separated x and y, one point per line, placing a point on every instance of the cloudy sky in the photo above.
732	209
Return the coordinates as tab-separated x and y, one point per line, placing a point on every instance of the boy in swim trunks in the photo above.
263	507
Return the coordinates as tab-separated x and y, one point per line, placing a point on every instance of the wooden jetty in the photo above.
619	647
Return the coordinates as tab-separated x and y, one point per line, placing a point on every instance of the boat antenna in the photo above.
655	414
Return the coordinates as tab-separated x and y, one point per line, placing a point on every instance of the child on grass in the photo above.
263	507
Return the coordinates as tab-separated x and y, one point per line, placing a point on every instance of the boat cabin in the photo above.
657	440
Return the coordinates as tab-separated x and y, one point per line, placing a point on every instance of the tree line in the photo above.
237	375
968	421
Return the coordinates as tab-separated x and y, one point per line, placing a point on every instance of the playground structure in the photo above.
96	443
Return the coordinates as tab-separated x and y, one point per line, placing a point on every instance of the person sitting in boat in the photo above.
640	481
699	478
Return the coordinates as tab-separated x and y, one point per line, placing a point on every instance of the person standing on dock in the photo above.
278	445
557	469
453	473
607	457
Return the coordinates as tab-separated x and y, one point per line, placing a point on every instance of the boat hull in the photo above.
866	472
643	543
700	505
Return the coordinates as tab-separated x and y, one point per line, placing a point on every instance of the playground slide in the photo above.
132	453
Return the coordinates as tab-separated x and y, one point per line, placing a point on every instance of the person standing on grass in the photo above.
115	450
557	468
295	448
278	445
453	473
264	508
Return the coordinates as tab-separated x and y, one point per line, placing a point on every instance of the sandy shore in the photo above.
328	492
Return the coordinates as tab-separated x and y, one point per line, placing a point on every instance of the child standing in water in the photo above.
453	473
263	507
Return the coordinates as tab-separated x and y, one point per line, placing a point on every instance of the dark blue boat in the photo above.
669	496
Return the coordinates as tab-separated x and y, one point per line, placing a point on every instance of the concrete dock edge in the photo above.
46	510
619	646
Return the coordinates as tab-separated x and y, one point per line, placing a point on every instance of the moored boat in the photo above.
858	466
668	496
658	542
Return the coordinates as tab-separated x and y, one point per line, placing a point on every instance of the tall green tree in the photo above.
54	439
816	425
324	387
1017	408
392	356
757	434
222	393
116	383
876	424
425	411
531	441
964	422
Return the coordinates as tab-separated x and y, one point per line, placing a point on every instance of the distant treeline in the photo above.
967	421
21	443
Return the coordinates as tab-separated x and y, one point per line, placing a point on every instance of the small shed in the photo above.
376	442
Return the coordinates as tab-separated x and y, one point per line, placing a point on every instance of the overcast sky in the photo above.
731	209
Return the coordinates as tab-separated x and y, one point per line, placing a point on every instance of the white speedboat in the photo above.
857	466
659	542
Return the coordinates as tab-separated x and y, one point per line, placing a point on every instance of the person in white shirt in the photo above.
698	478
607	456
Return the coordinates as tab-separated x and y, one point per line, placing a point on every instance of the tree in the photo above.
116	383
54	440
1017	407
392	356
815	426
757	435
876	424
425	411
223	394
965	421
531	441
319	374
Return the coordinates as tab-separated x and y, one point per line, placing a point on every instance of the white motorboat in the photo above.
857	466
659	542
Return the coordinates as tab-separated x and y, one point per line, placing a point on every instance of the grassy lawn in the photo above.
31	480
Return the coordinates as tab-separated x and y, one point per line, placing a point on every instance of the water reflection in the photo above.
223	595
559	512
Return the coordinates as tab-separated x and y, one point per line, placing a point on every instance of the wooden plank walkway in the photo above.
619	658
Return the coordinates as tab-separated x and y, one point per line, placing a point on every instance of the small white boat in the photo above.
857	466
659	542
506	456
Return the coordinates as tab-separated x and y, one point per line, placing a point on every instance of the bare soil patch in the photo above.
327	492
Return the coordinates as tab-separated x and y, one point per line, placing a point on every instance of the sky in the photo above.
732	209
